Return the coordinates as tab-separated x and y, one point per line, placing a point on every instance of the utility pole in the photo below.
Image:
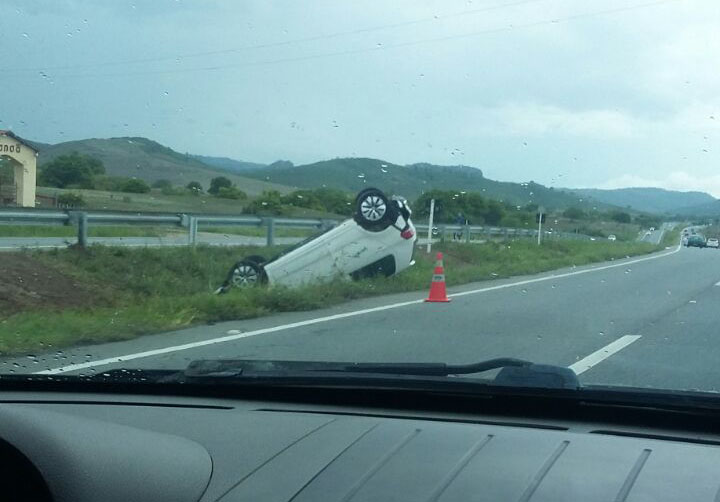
430	224
540	217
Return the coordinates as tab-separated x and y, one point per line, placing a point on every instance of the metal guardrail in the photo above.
84	219
467	233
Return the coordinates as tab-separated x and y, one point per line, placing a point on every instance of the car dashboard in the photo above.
87	446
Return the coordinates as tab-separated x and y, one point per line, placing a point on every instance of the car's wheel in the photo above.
373	210
245	274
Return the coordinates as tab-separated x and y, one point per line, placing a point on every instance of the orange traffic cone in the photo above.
437	286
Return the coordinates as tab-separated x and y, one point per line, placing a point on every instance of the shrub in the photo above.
218	183
231	193
70	199
135	186
195	187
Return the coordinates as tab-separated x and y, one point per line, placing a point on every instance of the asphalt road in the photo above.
655	236
212	239
639	322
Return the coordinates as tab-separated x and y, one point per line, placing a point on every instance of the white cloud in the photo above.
532	119
676	180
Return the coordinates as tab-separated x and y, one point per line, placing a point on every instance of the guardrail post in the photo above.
443	231
82	230
467	233
192	230
270	225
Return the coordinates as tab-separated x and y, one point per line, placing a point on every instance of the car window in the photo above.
402	182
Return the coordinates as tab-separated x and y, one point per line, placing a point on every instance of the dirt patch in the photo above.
27	284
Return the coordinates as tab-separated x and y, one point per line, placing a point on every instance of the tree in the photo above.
620	216
330	200
269	202
574	213
135	186
73	169
217	183
195	187
231	193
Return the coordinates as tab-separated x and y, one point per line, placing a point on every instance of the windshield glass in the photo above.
400	182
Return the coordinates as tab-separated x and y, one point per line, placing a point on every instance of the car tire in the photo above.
246	274
374	211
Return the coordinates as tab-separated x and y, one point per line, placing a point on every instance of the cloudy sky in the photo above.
601	93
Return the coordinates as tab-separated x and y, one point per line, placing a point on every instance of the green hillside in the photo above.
228	164
151	161
353	174
652	200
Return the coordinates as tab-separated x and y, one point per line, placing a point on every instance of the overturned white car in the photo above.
378	240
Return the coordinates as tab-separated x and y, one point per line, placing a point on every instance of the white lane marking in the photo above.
308	322
212	341
598	356
561	276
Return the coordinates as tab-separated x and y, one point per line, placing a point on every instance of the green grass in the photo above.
155	201
258	231
153	290
93	231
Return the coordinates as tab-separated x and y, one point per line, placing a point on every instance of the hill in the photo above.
150	161
708	209
354	174
651	200
228	164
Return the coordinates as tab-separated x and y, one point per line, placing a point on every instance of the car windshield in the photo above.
364	182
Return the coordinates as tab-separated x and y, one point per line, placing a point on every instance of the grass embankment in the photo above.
148	290
258	231
69	231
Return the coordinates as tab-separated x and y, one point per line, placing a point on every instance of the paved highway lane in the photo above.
635	322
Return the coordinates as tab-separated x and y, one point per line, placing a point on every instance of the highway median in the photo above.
68	297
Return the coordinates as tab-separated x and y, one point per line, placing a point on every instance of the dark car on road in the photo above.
696	241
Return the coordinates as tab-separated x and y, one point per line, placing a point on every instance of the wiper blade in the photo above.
233	367
513	372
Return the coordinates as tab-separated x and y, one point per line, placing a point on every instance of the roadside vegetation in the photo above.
125	292
93	231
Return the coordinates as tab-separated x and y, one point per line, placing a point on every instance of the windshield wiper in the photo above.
513	372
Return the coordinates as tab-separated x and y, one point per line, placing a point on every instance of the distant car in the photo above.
696	241
612	237
379	240
712	243
652	229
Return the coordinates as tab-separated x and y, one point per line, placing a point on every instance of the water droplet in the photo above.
602	333
554	286
692	301
539	337
166	93
25	35
627	271
523	290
